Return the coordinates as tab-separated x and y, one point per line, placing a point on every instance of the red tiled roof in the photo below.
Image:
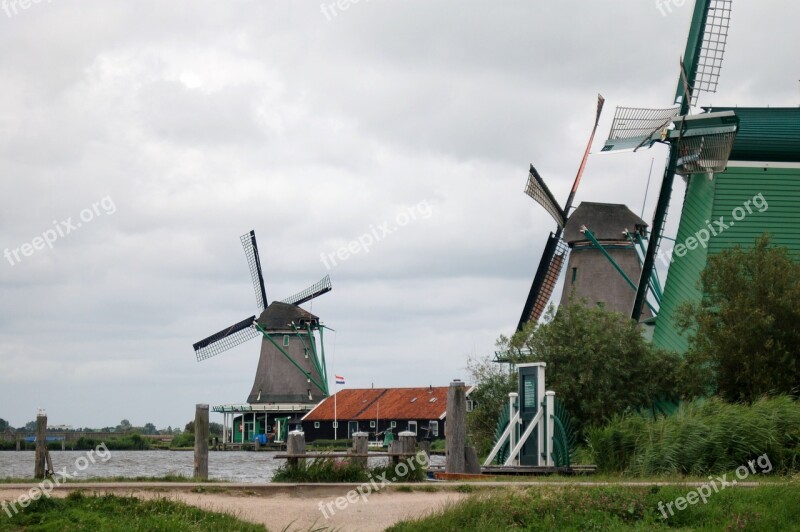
385	403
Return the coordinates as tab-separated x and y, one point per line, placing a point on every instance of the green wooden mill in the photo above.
741	167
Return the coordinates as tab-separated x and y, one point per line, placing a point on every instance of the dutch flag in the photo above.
339	379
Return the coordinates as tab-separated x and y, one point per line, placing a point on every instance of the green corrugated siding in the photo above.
709	200
766	134
684	271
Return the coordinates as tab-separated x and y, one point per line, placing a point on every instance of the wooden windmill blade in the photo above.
229	338
552	262
254	262
322	287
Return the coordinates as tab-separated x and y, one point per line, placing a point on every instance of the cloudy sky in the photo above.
168	129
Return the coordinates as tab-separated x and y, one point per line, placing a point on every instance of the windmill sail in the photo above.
538	191
552	262
226	339
253	260
316	290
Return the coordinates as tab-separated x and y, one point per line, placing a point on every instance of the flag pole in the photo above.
335	419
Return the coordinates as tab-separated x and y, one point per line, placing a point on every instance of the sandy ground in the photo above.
279	511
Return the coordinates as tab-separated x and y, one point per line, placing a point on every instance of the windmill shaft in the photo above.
659	219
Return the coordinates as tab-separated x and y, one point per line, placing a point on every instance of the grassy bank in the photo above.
332	470
123	514
615	508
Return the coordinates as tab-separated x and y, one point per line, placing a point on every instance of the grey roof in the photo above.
278	316
607	221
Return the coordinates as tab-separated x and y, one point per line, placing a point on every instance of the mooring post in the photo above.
295	447
201	442
549	440
360	447
425	447
19	443
395	448
456	428
40	469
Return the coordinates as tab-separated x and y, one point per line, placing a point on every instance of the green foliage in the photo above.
324	469
704	437
746	340
493	382
613	508
118	514
598	362
3	425
130	442
182	441
438	445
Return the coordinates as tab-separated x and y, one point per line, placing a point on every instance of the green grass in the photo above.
615	508
704	437
124	514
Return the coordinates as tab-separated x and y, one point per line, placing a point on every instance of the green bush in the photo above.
703	437
183	440
324	469
129	442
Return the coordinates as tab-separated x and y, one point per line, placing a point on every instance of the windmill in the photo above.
699	144
555	250
290	371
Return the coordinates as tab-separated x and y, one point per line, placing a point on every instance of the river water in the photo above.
232	466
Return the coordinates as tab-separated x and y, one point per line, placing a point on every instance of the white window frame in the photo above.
433	425
414	423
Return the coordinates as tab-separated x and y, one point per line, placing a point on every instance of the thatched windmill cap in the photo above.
607	221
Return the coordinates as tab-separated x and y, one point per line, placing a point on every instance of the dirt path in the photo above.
298	512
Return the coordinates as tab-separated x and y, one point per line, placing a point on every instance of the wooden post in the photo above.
471	464
19	443
295	447
360	446
456	428
40	469
425	447
201	442
395	448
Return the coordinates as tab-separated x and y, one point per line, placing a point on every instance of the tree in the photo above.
492	383
3	425
744	341
149	428
124	426
30	426
189	427
215	429
598	362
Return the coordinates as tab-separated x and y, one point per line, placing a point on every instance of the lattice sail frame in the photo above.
538	191
321	287
554	257
712	53
636	127
254	262
229	338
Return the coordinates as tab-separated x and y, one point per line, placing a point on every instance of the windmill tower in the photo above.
291	375
700	145
603	257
